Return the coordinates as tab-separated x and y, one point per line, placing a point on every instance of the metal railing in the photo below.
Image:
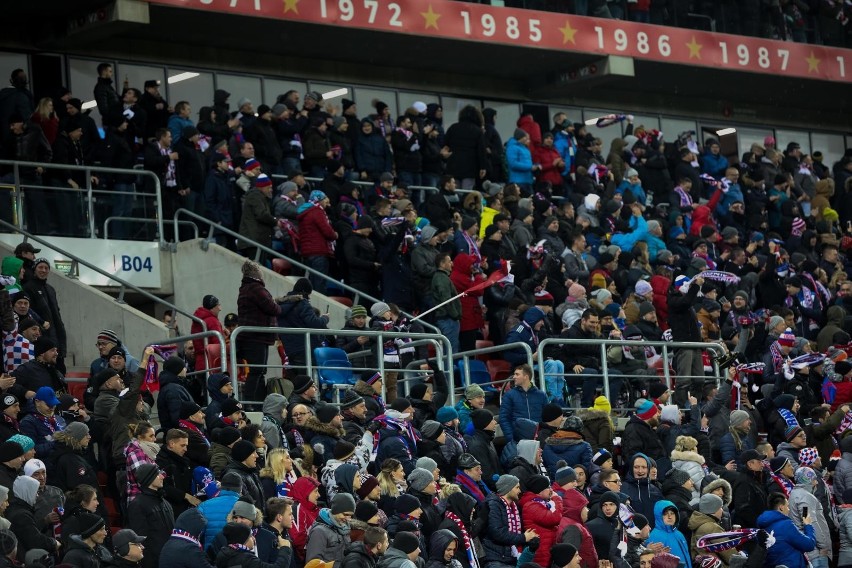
123	283
142	220
465	356
667	347
275	254
443	349
20	189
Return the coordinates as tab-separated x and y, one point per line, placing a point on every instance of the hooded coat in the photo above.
643	492
462	279
467	143
327	540
597	429
273	405
215	512
304	514
669	535
568	446
834	323
462	506
151	516
180	552
802	496
602	529
172	394
438	543
639	437
702	524
217	397
544	518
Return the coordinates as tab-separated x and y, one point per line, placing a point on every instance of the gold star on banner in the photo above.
694	49
813	63
568	33
291	6
431	18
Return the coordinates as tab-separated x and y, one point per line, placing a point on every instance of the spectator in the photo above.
44	302
802	498
150	515
172	392
257	221
316	237
106	96
480	443
504	533
567	444
791	545
255	307
474	399
643	492
329	536
87	547
184	548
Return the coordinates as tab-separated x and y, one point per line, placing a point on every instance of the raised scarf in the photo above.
469	549
788	417
726	540
513	515
189	425
845	424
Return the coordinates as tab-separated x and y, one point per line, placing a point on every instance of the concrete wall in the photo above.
218	271
86	311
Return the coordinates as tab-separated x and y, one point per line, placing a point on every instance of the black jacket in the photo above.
251	481
639	437
262	134
466	140
106	96
498	541
22	517
748	495
80	555
357	556
481	445
43	302
682	319
151	516
229	557
178	480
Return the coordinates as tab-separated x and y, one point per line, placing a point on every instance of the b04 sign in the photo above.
136	263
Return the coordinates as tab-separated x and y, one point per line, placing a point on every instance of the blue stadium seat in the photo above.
332	357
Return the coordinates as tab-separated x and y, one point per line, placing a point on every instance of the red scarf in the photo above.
468	546
513	515
189	425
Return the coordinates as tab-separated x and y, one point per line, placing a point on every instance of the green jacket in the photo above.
443	290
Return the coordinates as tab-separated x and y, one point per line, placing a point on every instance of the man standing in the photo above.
523	401
504	535
640	435
149	514
684	326
219	198
791	545
583	360
44	302
481	444
317	237
257	220
173	462
447	316
106	96
255	307
156	107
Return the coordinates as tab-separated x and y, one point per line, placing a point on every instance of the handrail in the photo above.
88	169
277	254
124	284
466	355
380	336
141	220
223	368
604	343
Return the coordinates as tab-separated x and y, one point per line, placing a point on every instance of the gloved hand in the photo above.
374	427
789	373
533	544
7	280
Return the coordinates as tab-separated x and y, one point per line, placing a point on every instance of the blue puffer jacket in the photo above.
669	535
714	165
498	541
790	544
464	410
176	125
523	429
36	429
182	553
519	159
565	446
518	403
216	510
734	193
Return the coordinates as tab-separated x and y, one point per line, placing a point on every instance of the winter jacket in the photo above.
151	516
844	518
395	558
790	543
358	556
219	198
22	517
251	481
471	309
643	492
843	472
316	235
326	540
230	557
178	480
597	429
373	154
603	529
669	535
523	334
35	428
519	160
257	222
568	446
67	468
395	444
466	141
180	552
718	410
691	463
682	319
80	555
748	496
215	511
519	403
297	312
442	289
172	394
639	437
543	518
801	497
255	307
213	324
498	541
481	445
702	524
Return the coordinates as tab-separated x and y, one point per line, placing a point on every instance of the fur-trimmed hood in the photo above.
591	414
716	484
688	456
318	427
362	388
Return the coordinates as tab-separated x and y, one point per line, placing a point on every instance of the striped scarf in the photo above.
478	490
785	484
193	428
514	516
726	540
788	417
778	358
845	424
472	559
184	535
244	548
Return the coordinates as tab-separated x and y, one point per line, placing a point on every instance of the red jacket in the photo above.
528	124
703	214
213	324
536	516
547	157
306	513
572	507
316	235
660	285
843	395
471	308
256	308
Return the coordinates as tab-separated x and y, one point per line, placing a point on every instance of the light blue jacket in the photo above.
519	159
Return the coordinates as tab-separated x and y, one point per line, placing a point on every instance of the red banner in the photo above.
547	30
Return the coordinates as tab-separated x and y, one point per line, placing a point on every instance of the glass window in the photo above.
505	119
83	76
649	122
240	87
332	95
136	75
748	136
831	146
407	99
784	137
453	105
366	99
272	88
673	127
11	61
194	87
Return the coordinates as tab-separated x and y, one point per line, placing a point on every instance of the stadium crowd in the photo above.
655	241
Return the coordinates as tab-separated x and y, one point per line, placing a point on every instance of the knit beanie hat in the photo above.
792	432
565	475
610	497
242	450
739	417
236	533
174	364
77	430
562	554
446	414
670	413
426	463
8	542
551	411
358	311
187	409
89	524
406	503
481	418
342	503
602	403
645	409
366	510
251	270
576	291
601	457
506	483
406	542
519	134
368	483
473	391
327	412
146	473
431	429
778	463
805	476
302	383
678	476
787	338
709	503
537	483
343	450
807	456
419	478
227	436
25	442
9	451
